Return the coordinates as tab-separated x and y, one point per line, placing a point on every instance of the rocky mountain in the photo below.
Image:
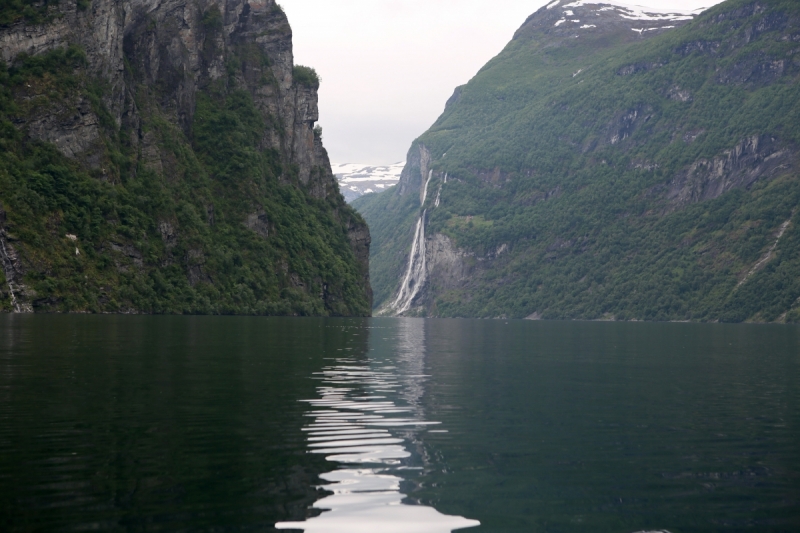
357	180
608	164
160	156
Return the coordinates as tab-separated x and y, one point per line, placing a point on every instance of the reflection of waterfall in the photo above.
411	362
414	278
357	420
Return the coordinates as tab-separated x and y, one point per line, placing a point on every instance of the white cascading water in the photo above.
425	190
414	278
8	268
415	273
439	192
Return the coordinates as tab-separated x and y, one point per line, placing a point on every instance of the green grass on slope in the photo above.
531	165
172	242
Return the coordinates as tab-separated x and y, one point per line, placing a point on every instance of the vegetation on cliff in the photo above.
604	179
32	11
306	76
157	218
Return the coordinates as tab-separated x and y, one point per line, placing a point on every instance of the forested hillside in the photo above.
163	159
598	168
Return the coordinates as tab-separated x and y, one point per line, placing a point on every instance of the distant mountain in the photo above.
357	180
609	164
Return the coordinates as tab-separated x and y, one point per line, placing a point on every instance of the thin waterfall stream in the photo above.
416	272
9	273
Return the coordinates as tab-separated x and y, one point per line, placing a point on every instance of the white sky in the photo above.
389	66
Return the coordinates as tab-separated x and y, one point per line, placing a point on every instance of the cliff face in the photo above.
201	98
608	164
178	47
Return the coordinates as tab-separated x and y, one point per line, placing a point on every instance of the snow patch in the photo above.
554	4
585	26
356	179
559	23
633	12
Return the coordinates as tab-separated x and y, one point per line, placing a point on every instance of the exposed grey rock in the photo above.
447	265
636	68
678	94
169	48
418	163
360	240
259	223
73	131
126	255
13	270
495	177
754	158
699	47
169	234
756	71
195	259
151	153
627	122
691	136
210	218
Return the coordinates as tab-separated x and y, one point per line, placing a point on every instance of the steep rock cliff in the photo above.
190	134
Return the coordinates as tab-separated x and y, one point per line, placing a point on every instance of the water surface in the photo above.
326	425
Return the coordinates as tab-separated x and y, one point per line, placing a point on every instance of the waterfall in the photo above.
439	192
8	270
415	274
425	189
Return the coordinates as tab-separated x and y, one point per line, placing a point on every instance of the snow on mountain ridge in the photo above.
635	12
356	180
573	14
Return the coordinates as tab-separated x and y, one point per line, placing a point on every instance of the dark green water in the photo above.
207	424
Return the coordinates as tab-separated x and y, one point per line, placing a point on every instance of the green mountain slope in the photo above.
600	175
164	161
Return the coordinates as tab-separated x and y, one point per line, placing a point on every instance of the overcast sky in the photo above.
388	66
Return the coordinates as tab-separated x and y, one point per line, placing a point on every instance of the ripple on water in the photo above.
350	430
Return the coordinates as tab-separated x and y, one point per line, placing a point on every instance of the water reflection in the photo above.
368	417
